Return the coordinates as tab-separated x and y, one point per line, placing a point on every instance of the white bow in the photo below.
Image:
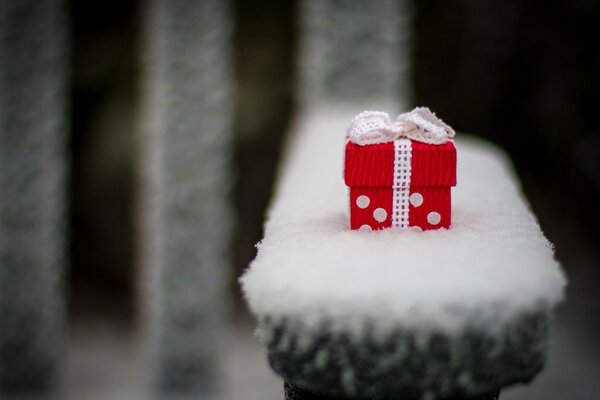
420	124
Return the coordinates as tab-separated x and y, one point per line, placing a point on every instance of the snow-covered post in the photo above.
354	52
33	137
338	323
186	217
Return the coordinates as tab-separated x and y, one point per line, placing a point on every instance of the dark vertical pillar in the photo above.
33	135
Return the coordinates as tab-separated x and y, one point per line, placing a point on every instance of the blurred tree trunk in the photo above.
186	216
33	136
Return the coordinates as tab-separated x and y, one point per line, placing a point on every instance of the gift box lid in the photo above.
373	165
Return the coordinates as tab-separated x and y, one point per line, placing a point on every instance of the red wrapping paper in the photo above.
369	172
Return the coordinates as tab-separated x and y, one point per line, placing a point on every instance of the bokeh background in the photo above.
522	74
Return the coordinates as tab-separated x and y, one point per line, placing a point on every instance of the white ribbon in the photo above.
420	124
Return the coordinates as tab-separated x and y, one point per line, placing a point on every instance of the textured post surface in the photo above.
186	219
354	52
33	136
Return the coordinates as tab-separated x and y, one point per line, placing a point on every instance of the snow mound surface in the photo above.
494	265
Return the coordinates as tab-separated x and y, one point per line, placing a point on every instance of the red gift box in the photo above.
401	183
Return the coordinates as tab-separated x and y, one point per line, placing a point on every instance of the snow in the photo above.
493	265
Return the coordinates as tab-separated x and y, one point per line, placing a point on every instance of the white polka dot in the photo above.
365	228
363	201
434	218
380	214
416	199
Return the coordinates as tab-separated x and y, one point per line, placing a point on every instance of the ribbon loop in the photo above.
370	127
420	124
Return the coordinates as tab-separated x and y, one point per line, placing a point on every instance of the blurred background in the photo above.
95	95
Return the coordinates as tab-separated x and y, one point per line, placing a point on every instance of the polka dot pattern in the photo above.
429	208
401	187
363	201
416	199
380	214
365	228
434	218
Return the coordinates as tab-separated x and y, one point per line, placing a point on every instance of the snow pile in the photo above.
493	266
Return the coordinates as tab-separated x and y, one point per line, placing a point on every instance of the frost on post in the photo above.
354	52
186	217
33	136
